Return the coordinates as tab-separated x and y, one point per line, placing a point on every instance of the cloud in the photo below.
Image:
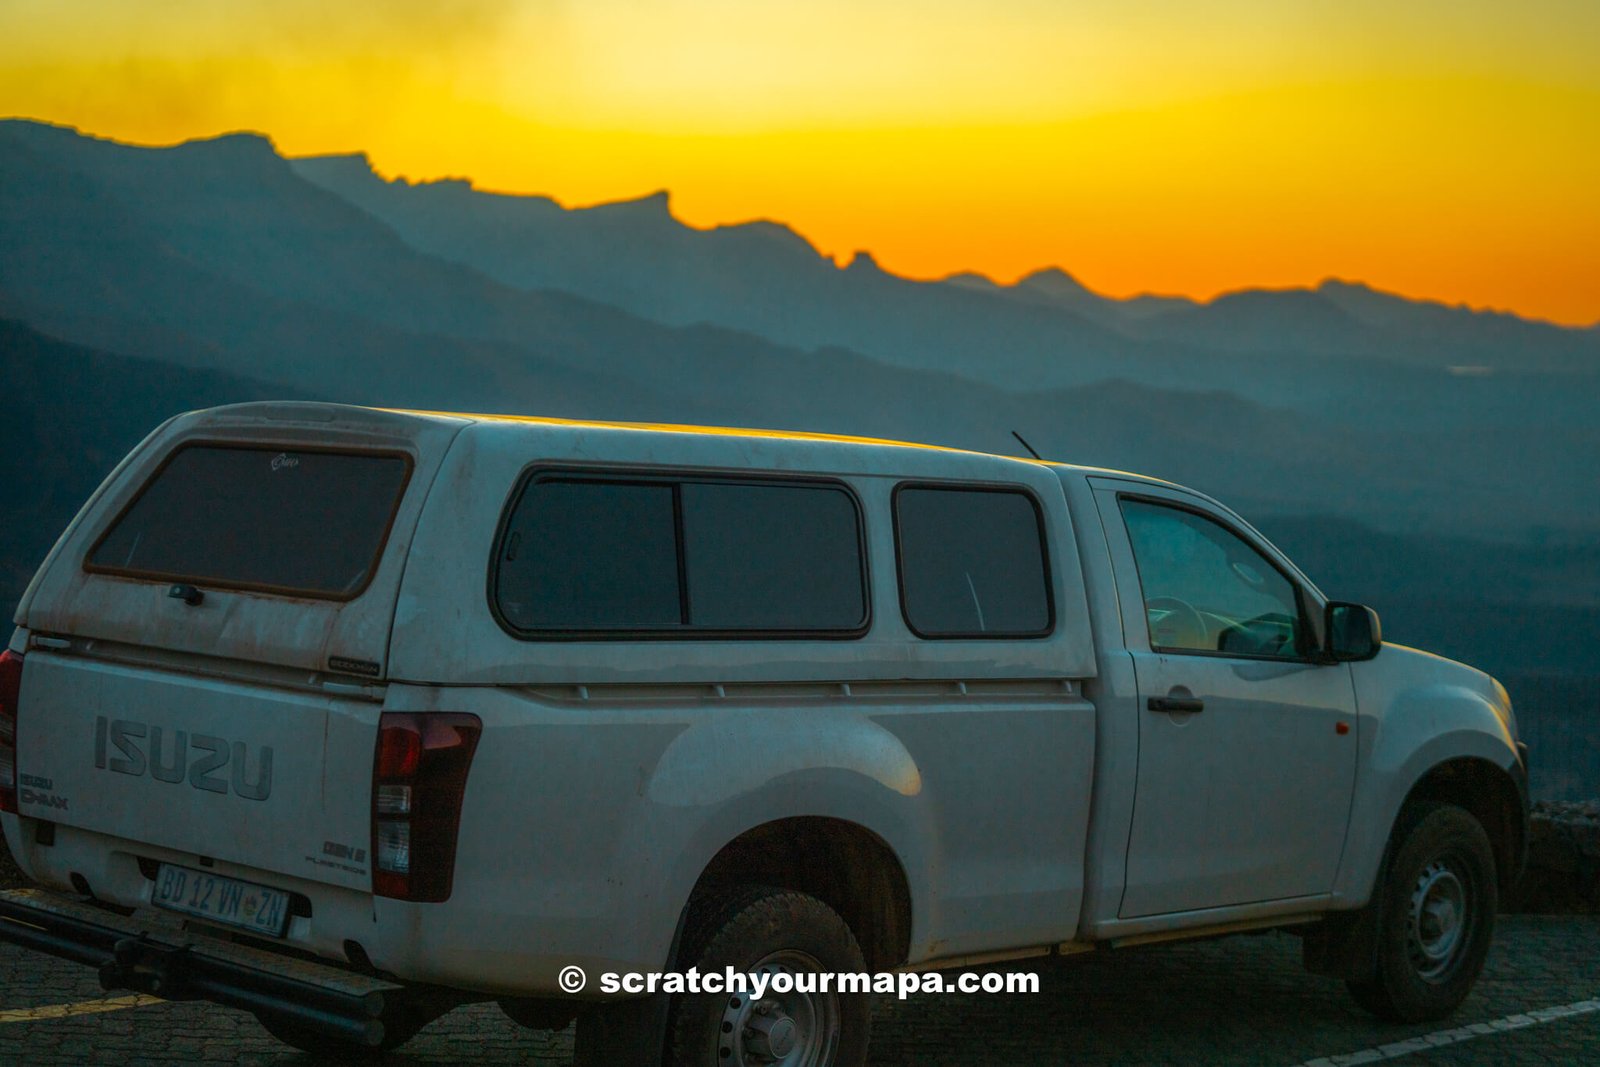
158	71
282	30
315	26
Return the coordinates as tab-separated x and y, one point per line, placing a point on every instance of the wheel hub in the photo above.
771	1034
1437	920
790	1029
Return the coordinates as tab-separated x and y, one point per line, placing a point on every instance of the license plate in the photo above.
222	900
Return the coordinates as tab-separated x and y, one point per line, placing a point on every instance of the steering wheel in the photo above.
1180	627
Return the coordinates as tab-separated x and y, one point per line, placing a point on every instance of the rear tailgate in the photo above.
263	776
209	638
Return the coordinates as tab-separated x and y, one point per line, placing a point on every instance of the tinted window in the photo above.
306	522
769	557
1206	589
591	556
615	555
972	563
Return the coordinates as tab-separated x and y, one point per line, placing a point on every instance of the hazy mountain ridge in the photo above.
756	277
1052	285
636	255
219	254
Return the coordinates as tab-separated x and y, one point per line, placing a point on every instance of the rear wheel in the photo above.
1436	913
790	938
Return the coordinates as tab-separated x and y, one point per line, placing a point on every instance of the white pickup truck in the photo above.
345	716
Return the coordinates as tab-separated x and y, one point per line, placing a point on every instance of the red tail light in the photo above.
419	779
10	691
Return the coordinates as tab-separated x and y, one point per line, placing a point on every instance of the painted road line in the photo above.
1470	1032
83	1007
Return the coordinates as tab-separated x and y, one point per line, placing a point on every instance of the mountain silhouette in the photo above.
319	276
1045	330
758	277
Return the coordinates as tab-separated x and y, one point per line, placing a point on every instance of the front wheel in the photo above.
790	938
1436	911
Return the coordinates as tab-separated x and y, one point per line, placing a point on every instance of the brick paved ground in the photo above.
1237	1001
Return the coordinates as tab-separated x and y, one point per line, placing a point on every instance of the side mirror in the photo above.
1354	632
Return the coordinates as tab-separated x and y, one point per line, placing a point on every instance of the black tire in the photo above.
775	930
1436	908
397	1031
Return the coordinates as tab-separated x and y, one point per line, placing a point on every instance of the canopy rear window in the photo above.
304	522
595	555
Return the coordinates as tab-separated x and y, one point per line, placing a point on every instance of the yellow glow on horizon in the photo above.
1441	150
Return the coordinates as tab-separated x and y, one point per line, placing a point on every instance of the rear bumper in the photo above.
178	964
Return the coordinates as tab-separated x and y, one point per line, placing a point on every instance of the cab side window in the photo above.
972	562
1208	590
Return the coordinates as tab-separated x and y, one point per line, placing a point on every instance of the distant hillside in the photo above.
68	414
1527	614
1527	609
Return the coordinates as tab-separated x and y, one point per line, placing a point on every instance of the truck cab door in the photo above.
1247	747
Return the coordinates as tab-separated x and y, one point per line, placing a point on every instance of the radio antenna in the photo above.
1026	445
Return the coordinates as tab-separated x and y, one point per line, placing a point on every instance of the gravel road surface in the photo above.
1241	1000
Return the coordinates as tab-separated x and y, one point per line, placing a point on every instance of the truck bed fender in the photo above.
737	776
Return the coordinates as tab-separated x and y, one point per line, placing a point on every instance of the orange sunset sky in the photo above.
1447	149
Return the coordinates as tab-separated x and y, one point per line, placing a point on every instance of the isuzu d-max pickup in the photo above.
346	716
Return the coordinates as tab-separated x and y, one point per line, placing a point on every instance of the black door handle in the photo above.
1176	704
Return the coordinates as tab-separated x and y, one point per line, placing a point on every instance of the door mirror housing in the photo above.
1354	632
